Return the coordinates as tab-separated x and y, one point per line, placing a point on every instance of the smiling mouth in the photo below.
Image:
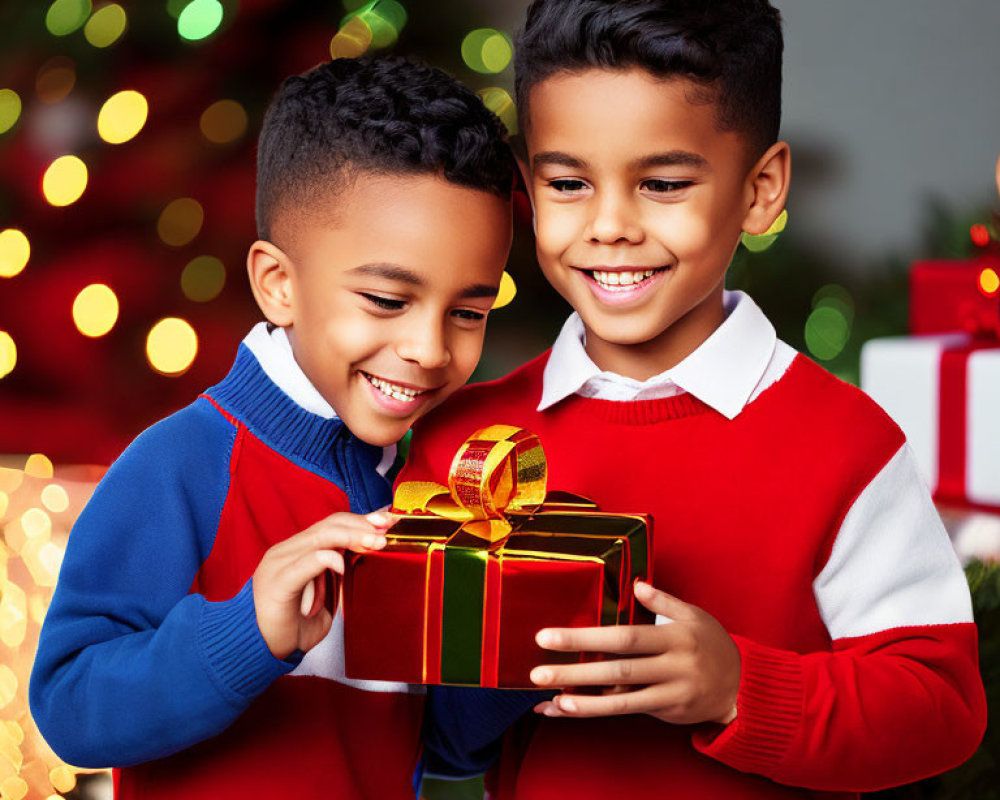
621	280
405	394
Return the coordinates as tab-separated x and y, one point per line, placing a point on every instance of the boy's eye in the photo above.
568	185
468	314
385	303
664	186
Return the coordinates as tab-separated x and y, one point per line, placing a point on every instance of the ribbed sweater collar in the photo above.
252	397
636	412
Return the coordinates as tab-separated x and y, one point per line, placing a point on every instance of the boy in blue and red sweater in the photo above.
181	644
817	639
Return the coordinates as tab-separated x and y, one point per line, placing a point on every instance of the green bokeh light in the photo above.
175	7
66	16
487	50
203	279
833	295
758	244
106	26
827	332
10	109
384	18
199	19
500	103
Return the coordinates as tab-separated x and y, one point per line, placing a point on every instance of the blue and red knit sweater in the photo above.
150	658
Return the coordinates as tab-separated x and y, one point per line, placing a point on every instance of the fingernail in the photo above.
550	710
641	587
541	675
368	540
378	519
566	704
545	638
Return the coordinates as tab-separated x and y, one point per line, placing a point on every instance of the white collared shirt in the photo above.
274	353
741	358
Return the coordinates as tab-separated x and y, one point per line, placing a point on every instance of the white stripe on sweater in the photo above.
892	564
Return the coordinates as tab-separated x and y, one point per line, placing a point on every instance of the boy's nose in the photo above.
425	345
613	220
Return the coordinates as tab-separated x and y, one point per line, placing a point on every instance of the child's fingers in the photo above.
624	639
663	604
382	519
295	576
308	598
604	673
652	699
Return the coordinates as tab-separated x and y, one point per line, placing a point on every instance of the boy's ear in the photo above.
767	185
269	269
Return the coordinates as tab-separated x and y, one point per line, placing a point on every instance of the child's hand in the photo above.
301	561
684	672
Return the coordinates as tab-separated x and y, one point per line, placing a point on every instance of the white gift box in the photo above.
903	375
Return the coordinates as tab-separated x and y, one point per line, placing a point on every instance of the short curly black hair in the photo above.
730	48
383	115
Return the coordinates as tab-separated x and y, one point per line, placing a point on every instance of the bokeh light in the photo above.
175	7
36	523
55	79
500	103
66	16
8	354
758	244
39	465
54	498
508	289
95	310
10	109
835	296
203	278
352	40
180	221
224	121
171	346
15	250
122	116
487	50
199	19
384	19
106	25
827	332
989	282
64	181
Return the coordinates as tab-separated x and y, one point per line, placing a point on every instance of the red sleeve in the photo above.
878	711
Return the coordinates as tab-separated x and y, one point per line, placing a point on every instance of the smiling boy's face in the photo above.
385	304
639	203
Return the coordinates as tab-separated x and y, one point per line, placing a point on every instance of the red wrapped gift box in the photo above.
949	296
473	571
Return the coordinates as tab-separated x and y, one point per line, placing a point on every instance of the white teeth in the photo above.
614	280
393	390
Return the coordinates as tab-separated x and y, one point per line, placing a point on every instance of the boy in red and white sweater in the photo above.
815	634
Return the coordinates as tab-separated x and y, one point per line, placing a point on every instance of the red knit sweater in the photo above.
746	514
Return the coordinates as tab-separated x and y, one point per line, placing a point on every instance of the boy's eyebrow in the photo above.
672	158
397	272
557	159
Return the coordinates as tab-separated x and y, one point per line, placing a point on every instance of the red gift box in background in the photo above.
950	296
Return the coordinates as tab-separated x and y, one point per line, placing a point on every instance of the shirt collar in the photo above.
722	372
274	353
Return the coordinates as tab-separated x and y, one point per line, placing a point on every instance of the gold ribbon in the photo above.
498	470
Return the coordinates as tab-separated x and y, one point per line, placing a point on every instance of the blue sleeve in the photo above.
463	726
131	666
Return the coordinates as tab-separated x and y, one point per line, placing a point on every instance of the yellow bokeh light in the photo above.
8	354
507	291
14	788
95	310
10	109
352	40
106	26
13	732
54	498
497	52
180	221
64	181
4	502
36	523
39	465
122	116
55	79
500	103
11	479
62	779
8	685
224	121
203	279
66	16
989	281
171	346
15	250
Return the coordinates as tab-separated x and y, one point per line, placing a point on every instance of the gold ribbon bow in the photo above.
498	470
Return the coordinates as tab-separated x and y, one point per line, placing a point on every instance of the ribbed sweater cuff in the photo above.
233	650
769	710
